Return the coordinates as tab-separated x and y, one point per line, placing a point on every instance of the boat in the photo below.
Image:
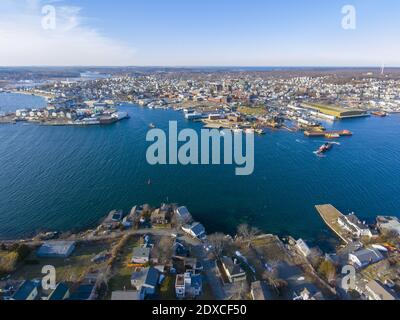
379	114
152	125
260	131
325	148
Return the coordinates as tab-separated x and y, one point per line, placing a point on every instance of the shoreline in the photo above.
35	94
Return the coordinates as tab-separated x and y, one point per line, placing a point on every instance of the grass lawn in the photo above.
256	111
71	269
122	273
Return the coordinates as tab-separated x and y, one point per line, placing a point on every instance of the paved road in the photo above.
210	269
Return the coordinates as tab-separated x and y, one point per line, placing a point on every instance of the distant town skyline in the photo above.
181	33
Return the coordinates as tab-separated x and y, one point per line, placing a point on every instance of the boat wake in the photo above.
331	142
319	155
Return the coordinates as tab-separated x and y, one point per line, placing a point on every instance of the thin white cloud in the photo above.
23	41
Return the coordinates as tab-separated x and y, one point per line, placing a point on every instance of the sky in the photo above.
199	33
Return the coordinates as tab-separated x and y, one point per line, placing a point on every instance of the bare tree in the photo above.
247	233
218	241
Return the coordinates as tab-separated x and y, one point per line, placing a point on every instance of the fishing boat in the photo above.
324	148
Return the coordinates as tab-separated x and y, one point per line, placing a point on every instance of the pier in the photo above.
331	215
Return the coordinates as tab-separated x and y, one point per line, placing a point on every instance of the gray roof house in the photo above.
365	257
141	255
145	280
183	214
234	271
56	249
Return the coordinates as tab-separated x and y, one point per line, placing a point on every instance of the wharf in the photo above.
331	215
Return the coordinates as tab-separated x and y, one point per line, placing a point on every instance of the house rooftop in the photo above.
233	268
25	290
56	248
59	292
149	276
367	256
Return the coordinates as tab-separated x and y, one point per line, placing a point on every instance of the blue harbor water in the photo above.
63	178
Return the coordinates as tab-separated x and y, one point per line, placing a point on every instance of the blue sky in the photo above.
206	32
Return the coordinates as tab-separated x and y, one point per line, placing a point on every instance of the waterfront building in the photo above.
56	249
365	257
183	214
352	224
336	111
195	230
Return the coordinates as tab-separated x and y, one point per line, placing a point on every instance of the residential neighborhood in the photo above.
164	254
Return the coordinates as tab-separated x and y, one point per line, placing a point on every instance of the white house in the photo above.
195	230
302	246
188	285
352	224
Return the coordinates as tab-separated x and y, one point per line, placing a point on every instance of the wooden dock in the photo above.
330	215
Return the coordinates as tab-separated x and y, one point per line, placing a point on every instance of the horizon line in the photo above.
194	66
